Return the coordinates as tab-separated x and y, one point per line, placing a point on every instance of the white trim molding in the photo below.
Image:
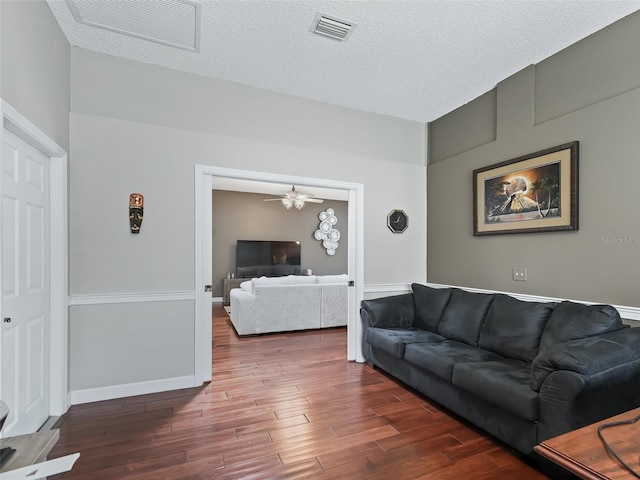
627	313
137	297
130	389
387	288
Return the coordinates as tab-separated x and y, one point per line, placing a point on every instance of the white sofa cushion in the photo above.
324	279
288	280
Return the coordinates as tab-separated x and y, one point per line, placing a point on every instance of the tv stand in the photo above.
227	285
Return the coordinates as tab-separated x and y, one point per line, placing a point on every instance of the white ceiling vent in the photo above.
169	22
332	27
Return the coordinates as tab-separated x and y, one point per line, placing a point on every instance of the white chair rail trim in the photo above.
388	287
626	312
136	297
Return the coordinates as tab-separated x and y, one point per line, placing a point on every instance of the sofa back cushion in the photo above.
280	281
429	304
464	315
571	321
513	328
326	279
288	280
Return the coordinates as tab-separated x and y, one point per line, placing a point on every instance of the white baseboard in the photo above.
130	389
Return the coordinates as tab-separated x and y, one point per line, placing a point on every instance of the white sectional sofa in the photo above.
280	304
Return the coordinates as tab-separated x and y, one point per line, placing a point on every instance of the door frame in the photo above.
16	123
204	244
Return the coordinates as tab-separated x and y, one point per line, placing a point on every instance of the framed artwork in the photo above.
533	193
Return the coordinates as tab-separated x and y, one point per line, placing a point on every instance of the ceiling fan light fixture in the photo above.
294	199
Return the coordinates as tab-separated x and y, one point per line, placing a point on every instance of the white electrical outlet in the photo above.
520	274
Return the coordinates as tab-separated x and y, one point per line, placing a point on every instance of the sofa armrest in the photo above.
569	400
388	312
587	380
243	311
588	356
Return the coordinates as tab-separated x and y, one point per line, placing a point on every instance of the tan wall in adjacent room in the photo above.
245	216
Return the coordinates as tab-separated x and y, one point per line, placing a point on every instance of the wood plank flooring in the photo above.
281	406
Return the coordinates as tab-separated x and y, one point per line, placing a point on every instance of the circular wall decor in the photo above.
398	221
325	233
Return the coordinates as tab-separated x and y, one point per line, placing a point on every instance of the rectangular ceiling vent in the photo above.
332	27
169	22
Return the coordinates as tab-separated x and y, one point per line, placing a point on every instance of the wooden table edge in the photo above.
567	463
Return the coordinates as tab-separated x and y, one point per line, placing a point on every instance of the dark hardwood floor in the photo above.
281	406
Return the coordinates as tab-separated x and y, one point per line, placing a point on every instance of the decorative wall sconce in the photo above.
328	235
136	211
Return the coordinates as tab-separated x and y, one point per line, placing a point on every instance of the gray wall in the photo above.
117	344
245	216
140	128
589	92
35	65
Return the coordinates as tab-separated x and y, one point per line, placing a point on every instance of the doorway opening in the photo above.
204	184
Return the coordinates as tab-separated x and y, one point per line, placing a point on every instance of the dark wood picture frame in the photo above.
528	194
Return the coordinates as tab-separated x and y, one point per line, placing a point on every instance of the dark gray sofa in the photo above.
522	371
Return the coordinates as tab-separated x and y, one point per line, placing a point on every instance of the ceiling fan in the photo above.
295	199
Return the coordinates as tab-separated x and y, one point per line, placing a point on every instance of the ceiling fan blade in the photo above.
314	200
272	200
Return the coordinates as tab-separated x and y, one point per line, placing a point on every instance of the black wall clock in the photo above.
397	221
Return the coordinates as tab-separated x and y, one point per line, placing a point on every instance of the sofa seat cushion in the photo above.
464	315
394	340
504	383
439	359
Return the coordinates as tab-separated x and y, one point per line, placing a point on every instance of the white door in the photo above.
25	285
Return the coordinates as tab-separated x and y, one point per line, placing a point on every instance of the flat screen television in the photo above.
258	258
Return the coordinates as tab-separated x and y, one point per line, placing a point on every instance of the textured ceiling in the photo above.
410	59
